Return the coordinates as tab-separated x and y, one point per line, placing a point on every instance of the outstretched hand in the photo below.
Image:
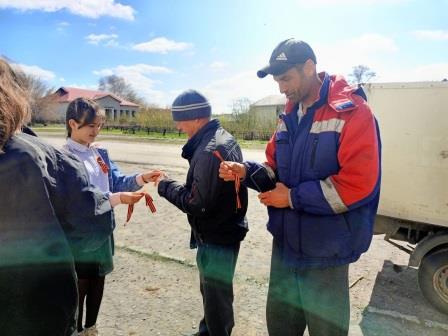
160	177
152	176
228	170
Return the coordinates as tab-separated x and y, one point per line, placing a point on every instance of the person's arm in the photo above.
357	182
122	182
258	176
199	199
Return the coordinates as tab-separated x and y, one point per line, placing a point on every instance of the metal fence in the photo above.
133	129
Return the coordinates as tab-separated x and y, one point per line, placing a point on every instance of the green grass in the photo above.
59	130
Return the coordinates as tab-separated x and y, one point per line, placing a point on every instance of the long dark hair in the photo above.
82	110
14	103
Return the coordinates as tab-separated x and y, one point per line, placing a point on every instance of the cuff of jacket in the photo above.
139	180
289	199
294	199
114	199
163	185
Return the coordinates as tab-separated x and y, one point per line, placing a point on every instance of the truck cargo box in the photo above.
413	119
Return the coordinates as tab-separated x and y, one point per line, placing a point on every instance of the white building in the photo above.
116	108
268	108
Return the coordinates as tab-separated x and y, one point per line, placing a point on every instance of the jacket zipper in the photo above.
313	152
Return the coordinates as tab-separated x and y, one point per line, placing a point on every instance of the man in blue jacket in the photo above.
321	185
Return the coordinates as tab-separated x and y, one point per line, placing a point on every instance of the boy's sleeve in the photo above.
199	199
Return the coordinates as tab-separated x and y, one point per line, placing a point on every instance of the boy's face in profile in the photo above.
189	127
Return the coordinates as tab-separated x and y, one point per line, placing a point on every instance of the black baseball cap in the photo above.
286	55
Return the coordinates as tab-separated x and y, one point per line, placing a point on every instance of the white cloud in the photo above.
87	8
217	65
111	43
380	54
339	3
223	92
161	45
340	57
108	39
436	71
426	72
36	71
61	26
103	72
83	86
434	35
138	75
136	68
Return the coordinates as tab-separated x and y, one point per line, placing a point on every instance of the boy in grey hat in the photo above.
216	213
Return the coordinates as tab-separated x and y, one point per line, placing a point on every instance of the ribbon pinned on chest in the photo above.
102	164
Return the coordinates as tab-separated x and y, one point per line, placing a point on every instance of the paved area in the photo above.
154	289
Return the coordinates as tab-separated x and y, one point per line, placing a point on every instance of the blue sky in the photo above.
165	47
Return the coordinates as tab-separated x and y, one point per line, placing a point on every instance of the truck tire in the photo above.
433	279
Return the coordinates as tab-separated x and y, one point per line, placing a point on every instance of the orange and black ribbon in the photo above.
130	211
237	180
149	204
102	164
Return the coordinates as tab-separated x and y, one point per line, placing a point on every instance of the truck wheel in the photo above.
433	279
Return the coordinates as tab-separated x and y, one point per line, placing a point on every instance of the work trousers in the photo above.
313	298
216	264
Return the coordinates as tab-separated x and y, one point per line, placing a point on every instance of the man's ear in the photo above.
309	68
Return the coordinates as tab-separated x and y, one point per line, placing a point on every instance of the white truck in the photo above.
413	119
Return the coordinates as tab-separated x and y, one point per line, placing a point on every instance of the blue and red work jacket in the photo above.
330	161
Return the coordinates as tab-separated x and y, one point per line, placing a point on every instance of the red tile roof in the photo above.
67	94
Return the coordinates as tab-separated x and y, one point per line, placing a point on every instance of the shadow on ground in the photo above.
397	306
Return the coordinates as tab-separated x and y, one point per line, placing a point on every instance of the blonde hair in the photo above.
14	105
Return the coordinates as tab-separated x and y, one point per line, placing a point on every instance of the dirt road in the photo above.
154	289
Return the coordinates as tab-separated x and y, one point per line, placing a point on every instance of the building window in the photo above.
109	114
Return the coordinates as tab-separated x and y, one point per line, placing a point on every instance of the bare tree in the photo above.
361	74
240	107
43	103
118	86
154	116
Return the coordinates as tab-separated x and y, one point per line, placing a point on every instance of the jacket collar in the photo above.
190	147
335	91
76	146
340	94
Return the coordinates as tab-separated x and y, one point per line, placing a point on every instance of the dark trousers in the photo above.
297	298
216	264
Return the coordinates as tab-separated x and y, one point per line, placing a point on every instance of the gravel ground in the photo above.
154	289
